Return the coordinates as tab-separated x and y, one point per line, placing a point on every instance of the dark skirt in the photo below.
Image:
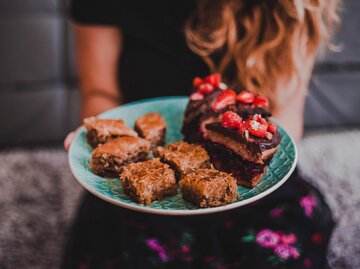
290	228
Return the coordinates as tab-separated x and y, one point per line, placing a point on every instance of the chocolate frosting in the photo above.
253	141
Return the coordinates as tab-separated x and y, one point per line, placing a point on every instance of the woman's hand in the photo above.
69	138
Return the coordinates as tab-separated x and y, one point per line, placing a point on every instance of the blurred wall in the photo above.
38	93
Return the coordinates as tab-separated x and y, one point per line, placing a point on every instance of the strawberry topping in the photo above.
196	96
197	82
213	79
226	98
272	128
231	120
261	101
205	88
246	97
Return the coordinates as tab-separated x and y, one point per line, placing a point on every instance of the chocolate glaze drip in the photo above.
253	142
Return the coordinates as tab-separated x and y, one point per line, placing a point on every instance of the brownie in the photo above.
100	131
183	157
151	127
148	181
208	188
108	158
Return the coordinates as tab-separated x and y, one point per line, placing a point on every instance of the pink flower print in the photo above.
276	212
154	245
288	239
267	238
307	263
295	253
185	249
283	251
308	203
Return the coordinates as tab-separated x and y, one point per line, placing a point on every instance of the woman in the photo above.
138	50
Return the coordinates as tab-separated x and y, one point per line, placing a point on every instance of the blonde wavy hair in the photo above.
261	44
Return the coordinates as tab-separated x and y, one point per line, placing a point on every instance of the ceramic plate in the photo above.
172	109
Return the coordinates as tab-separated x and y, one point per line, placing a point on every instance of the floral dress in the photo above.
290	228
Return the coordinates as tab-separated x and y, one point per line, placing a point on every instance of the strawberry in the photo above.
256	128
205	88
261	101
246	97
226	98
272	128
213	79
197	82
231	120
196	96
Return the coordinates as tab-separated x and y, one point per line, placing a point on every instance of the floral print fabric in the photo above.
290	228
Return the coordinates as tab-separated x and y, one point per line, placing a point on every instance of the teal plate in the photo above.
172	109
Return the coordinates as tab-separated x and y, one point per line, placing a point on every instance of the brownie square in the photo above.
152	127
208	188
183	157
148	181
100	131
108	158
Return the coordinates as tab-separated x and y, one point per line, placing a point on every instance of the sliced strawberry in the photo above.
272	128
197	82
196	96
257	129
231	120
206	88
243	127
246	97
213	79
226	98
261	101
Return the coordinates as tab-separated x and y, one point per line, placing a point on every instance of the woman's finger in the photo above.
69	138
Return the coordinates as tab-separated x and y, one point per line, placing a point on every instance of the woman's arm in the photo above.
98	49
292	96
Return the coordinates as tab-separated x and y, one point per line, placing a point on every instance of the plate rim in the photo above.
178	212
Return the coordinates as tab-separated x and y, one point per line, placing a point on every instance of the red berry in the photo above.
197	82
213	79
272	128
261	101
246	97
196	96
231	120
226	98
206	88
256	128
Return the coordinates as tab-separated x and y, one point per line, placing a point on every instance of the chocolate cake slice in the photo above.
100	131
108	158
242	148
151	127
183	157
208	188
148	181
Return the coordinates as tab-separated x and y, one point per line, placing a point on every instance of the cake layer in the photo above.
253	149
246	173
